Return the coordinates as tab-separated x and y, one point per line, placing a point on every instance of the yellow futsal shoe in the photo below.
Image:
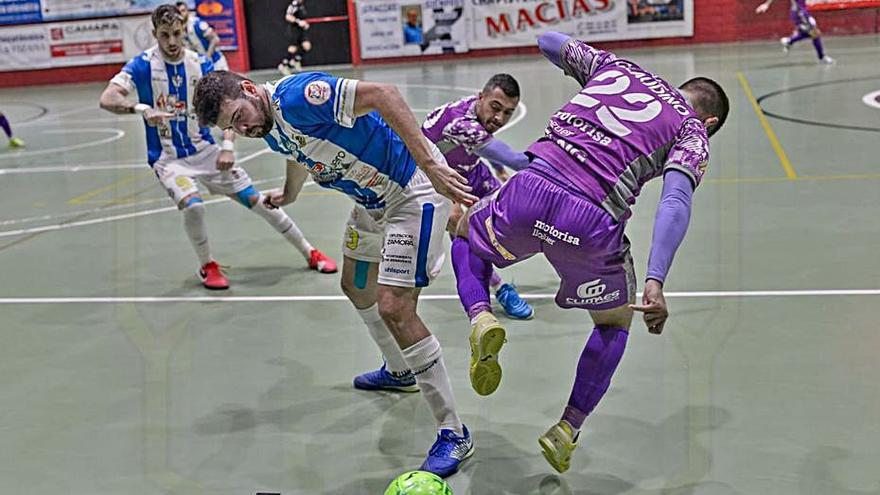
16	143
487	337
557	445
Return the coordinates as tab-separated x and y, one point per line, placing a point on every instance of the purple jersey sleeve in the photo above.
466	133
670	223
580	60
690	153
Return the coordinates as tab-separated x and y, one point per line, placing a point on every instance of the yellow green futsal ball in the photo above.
418	483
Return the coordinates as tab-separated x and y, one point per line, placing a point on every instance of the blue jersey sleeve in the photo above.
315	98
207	64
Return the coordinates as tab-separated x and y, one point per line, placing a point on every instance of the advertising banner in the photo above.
497	24
395	28
220	15
19	11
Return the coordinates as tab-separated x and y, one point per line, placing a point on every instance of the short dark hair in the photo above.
504	81
709	100
165	14
212	90
181	4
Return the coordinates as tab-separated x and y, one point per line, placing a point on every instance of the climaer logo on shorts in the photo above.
592	293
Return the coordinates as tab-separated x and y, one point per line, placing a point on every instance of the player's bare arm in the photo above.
297	174
115	99
387	100
226	158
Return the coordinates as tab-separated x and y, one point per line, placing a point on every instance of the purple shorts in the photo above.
482	181
530	214
803	21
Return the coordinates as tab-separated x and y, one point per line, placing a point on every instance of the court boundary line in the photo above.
771	136
423	297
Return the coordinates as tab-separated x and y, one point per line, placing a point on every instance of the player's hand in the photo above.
157	117
760	9
303	24
274	199
653	306
449	183
225	160
502	174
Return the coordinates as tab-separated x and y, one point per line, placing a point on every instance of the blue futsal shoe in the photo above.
382	379
513	305
448	452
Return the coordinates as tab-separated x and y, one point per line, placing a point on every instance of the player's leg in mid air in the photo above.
179	181
14	142
253	199
600	279
497	231
362	248
483	184
412	257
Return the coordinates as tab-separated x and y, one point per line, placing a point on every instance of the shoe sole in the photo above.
485	372
548	449
202	279
522	318
408	389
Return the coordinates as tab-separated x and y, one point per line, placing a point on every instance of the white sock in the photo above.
425	358
280	221
394	361
194	224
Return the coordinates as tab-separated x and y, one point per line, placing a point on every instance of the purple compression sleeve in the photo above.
499	153
670	223
551	44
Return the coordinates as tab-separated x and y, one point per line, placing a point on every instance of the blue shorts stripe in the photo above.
193	200
245	194
424	242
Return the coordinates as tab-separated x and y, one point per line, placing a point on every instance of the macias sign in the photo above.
542	14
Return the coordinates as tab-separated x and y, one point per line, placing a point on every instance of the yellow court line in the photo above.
774	141
83	198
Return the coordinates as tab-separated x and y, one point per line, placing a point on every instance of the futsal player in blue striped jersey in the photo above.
181	152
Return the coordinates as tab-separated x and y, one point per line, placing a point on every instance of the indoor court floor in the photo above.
119	374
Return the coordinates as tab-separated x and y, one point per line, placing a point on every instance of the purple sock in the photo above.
5	125
820	51
797	37
472	278
597	364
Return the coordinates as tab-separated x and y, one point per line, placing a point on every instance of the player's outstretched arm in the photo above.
497	152
387	100
550	44
114	99
670	226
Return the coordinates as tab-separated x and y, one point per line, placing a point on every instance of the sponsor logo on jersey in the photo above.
318	92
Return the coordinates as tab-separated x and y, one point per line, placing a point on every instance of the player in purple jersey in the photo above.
804	27
463	131
14	142
181	152
625	127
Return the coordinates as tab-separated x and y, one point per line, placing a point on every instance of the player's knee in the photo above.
463	226
291	49
306	46
192	202
815	33
248	196
455	216
394	308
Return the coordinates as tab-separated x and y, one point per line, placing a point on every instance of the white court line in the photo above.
118	134
423	297
94	221
70	168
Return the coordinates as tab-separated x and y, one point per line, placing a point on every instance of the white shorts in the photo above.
221	63
407	239
179	175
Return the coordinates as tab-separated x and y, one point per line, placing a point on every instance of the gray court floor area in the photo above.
117	378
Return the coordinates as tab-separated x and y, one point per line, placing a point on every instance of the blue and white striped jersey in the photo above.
315	125
196	38
168	87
